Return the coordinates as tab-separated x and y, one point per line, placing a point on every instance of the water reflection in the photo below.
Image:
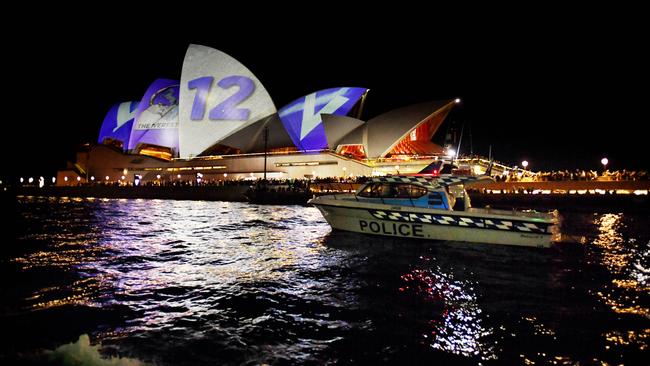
627	293
460	331
180	282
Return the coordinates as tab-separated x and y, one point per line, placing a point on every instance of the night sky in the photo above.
559	88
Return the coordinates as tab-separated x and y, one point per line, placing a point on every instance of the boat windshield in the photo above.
392	190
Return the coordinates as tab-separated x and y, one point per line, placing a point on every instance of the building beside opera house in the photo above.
218	122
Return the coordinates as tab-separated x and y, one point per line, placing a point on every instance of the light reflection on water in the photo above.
460	331
628	261
186	282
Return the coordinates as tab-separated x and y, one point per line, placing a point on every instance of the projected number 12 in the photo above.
226	110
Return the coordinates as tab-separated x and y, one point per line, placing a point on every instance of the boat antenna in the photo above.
266	142
460	140
471	142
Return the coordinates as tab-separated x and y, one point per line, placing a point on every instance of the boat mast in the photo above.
266	141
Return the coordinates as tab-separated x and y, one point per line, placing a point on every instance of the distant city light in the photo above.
179	176
125	172
78	179
107	177
31	180
21	180
158	176
92	178
604	161
53	179
225	175
123	177
457	100
64	178
41	182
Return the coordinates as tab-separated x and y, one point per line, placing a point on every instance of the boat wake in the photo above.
81	353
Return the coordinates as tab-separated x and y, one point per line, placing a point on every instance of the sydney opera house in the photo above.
219	122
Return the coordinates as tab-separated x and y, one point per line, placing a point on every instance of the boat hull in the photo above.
428	225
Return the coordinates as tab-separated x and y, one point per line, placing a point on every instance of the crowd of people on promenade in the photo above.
572	175
508	176
232	182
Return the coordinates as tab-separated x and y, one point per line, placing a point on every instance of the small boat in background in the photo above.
435	208
264	193
273	193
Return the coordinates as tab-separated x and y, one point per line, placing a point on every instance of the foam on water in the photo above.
82	353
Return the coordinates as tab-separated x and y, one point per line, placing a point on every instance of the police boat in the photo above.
434	208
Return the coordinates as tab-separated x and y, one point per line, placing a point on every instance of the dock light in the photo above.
457	100
604	161
524	164
158	176
31	180
92	178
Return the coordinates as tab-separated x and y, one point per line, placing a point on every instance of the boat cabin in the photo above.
439	192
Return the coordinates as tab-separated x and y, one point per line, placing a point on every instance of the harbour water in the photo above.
194	282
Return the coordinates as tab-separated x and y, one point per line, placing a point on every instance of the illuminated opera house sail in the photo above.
212	121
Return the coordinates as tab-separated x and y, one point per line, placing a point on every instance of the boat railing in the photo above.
354	191
512	212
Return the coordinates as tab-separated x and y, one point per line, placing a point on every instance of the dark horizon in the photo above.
560	95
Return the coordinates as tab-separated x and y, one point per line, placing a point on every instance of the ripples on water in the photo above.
187	283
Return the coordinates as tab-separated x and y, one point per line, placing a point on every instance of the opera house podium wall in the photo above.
105	164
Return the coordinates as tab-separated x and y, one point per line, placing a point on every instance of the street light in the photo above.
524	164
604	161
